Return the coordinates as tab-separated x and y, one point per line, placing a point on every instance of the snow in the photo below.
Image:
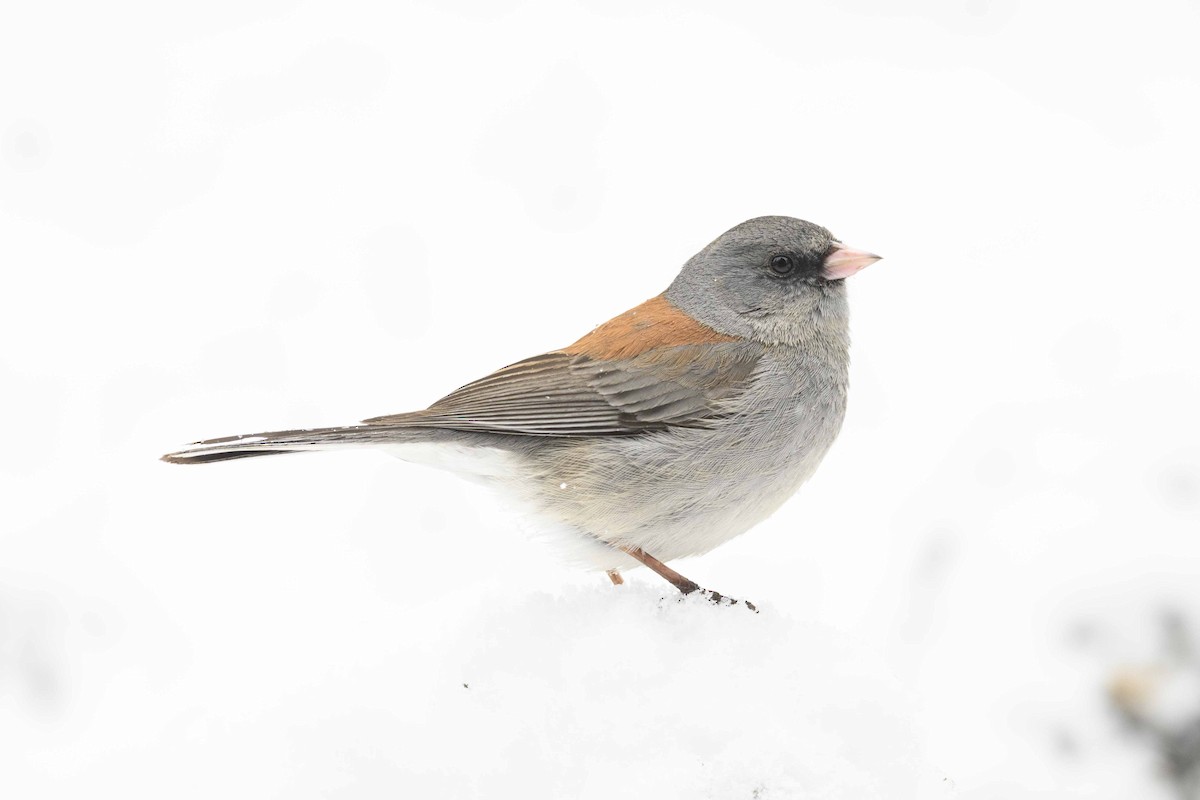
607	688
581	694
267	216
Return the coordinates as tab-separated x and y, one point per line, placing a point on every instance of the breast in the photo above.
685	491
786	428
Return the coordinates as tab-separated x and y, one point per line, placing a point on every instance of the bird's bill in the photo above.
845	261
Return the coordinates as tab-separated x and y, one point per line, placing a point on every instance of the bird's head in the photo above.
770	279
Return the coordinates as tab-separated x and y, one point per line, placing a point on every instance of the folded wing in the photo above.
573	394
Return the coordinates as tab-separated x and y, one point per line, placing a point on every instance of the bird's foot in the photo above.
685	586
718	599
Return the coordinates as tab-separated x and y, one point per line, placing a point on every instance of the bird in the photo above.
660	434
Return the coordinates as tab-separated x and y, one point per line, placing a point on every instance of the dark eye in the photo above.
782	265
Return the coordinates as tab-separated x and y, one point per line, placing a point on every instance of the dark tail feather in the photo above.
278	442
206	458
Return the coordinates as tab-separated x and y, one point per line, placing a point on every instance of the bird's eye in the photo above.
782	265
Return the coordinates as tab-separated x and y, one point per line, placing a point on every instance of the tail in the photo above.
275	443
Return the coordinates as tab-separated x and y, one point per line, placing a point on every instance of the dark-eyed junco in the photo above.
664	432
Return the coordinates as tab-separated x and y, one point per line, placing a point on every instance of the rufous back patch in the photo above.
655	323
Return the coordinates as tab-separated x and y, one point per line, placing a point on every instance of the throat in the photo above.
818	320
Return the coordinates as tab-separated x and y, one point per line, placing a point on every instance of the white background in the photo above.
228	218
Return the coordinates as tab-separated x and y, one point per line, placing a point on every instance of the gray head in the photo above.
777	280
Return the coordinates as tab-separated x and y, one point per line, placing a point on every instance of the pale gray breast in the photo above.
782	428
685	491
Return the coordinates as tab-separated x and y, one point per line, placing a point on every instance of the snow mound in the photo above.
627	693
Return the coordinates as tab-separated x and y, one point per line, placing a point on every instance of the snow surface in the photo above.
596	692
227	218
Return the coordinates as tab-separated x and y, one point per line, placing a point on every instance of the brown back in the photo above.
655	323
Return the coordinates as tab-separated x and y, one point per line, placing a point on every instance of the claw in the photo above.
684	585
719	599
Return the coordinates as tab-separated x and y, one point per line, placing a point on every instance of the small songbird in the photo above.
664	432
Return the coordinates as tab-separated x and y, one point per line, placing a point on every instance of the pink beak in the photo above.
845	261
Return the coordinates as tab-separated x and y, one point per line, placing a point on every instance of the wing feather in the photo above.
564	394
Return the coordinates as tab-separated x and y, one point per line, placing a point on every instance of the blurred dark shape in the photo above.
1182	754
25	145
40	678
1066	743
1083	633
1179	486
31	662
1179	645
931	568
937	556
1160	702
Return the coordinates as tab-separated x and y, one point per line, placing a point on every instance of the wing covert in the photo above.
564	394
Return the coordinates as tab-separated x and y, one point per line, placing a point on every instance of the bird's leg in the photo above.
615	577
679	582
